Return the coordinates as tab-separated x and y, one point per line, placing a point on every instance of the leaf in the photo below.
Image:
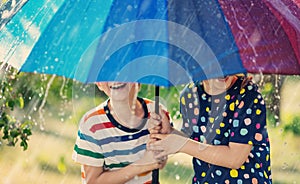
24	145
10	104
26	124
14	133
21	102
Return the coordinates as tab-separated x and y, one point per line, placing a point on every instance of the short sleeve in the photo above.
249	119
86	150
189	108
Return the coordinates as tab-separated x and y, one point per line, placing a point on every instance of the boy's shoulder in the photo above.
98	112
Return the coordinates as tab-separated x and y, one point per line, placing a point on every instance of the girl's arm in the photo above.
231	156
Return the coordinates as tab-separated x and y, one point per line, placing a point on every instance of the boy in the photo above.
111	142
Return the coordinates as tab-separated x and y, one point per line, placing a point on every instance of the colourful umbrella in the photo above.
85	40
157	42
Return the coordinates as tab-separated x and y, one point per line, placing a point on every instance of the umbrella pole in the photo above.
155	173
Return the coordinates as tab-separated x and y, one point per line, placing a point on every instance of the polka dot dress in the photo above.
236	116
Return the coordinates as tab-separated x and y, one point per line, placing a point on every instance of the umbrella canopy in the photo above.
155	42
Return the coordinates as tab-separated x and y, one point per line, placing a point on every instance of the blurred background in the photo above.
39	117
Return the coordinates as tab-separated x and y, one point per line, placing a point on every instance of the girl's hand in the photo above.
166	144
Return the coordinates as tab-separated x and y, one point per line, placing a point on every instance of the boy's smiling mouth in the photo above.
118	86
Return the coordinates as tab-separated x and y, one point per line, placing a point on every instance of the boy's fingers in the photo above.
157	136
155	116
154	131
160	155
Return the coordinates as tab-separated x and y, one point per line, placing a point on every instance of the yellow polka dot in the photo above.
255	100
242	167
211	119
234	173
231	106
207	109
267	157
257	166
183	101
218	131
203	174
222	124
265	174
189	95
269	168
258	111
242	91
250	142
236	102
227	97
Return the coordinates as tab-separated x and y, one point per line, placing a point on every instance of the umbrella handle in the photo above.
155	172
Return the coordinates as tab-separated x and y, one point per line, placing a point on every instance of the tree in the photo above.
13	128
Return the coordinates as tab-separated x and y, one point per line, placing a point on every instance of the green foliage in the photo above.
168	96
270	86
25	98
12	129
61	165
293	126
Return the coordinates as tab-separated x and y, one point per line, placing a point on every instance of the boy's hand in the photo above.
149	159
159	123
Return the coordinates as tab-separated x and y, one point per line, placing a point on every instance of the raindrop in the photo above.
129	8
42	128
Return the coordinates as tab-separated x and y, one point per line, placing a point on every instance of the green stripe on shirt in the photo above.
87	153
119	165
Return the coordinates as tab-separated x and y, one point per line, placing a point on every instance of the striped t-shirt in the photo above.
103	142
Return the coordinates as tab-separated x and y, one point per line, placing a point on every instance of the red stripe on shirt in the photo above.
100	126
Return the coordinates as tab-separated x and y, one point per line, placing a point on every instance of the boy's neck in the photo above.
126	113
